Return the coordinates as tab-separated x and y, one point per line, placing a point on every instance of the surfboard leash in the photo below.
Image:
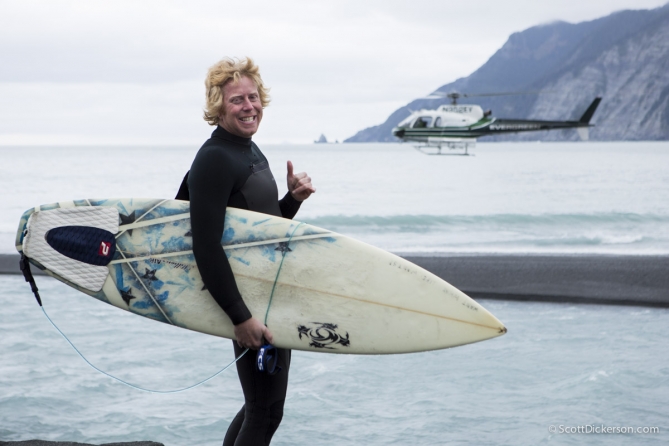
266	358
27	274
284	248
133	385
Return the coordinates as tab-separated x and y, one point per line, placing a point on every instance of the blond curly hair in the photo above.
230	70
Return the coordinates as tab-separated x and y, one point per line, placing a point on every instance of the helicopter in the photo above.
456	126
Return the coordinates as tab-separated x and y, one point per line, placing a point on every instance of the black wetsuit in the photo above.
231	171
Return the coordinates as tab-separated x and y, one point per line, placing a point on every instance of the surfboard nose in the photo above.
500	324
497	327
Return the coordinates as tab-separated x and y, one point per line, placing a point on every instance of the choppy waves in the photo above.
612	232
605	233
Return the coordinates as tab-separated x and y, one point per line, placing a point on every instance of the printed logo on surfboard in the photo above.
105	248
323	335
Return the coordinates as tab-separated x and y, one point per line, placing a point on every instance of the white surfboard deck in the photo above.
332	293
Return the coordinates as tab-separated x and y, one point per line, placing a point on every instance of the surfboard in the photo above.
317	290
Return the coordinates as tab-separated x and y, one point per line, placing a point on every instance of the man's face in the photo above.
242	111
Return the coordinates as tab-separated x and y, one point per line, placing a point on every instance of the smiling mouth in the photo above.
248	119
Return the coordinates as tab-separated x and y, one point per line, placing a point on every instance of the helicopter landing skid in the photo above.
436	149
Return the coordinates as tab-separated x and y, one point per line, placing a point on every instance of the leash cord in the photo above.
31	280
284	249
132	385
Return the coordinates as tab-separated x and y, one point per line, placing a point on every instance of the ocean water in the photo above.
559	365
574	367
608	198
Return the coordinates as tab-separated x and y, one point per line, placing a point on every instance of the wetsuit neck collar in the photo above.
220	132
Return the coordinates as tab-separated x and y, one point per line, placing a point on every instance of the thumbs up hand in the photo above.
299	185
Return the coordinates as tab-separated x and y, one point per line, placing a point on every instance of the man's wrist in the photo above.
238	312
293	198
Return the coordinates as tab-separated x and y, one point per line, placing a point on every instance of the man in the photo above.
230	170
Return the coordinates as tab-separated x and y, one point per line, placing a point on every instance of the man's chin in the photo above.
247	133
244	132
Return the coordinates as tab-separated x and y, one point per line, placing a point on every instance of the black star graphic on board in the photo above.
127	295
150	274
284	248
127	219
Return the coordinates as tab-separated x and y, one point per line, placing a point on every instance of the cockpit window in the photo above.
437	122
422	122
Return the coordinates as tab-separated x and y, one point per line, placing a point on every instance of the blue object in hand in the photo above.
267	359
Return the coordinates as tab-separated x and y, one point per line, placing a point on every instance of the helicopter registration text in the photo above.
514	127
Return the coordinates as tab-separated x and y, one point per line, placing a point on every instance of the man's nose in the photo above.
247	104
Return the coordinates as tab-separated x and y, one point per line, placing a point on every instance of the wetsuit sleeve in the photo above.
183	194
289	206
210	183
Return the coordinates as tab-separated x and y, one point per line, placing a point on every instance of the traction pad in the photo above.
74	243
94	246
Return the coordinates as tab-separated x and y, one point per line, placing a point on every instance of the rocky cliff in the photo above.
624	58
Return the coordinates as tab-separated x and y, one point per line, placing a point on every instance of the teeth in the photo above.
250	118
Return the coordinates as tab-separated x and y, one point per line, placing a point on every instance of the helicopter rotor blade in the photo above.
510	93
436	95
454	95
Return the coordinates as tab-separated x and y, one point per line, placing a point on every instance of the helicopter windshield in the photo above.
422	122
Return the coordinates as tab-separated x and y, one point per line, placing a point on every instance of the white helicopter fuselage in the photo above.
444	116
452	125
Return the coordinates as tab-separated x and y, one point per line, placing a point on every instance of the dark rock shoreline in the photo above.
584	279
592	279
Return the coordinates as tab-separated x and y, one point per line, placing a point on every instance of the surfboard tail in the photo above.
76	244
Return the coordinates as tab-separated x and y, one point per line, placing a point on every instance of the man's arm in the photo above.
210	186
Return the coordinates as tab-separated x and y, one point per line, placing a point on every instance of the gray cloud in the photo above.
338	65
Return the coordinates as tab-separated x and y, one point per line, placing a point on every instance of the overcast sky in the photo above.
131	72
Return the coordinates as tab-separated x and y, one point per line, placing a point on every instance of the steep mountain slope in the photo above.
623	57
